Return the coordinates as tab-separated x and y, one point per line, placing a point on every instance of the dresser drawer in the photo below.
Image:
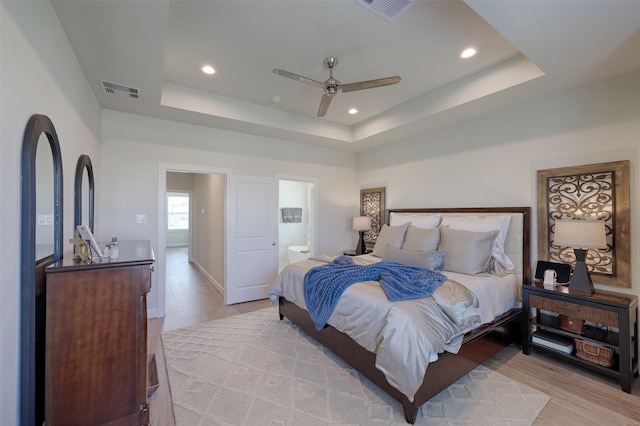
574	310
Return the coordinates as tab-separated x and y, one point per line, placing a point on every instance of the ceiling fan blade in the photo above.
369	84
300	78
324	105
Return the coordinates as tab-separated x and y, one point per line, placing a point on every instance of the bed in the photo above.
475	312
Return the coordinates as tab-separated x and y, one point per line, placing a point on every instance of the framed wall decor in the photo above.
594	191
372	204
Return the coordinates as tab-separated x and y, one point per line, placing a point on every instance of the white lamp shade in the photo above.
580	234
361	223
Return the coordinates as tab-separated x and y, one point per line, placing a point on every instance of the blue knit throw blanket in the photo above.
324	285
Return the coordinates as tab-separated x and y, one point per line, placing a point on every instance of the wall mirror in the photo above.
41	245
83	193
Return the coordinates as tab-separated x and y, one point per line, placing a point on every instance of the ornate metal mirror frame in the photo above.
84	163
594	191
32	316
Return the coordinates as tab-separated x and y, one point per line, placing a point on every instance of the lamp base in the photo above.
581	280
361	248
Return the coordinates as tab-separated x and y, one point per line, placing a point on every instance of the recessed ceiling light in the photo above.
468	52
275	99
208	69
353	111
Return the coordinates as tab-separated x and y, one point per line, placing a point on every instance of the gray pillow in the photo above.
422	259
466	252
392	235
421	239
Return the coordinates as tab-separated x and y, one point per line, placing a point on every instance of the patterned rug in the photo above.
253	369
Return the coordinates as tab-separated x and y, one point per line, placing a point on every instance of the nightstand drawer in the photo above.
599	316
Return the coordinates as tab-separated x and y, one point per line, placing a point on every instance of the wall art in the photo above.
594	191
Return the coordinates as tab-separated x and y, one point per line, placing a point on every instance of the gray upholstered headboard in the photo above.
517	243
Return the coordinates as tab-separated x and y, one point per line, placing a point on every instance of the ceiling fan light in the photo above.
331	86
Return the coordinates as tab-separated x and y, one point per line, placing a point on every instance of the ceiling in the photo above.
525	49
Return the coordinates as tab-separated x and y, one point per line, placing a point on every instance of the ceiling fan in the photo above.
331	85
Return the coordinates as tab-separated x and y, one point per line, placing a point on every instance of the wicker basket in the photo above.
595	353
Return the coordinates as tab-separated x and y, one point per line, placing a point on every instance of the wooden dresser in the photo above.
96	339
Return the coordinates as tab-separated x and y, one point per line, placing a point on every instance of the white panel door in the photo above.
252	243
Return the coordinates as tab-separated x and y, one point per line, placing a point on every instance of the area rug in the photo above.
253	369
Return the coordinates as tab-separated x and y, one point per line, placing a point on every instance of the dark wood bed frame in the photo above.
478	346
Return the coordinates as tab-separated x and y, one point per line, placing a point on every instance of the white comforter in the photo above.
397	332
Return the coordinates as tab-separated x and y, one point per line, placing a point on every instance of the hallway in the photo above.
190	297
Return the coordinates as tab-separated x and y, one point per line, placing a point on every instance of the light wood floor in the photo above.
578	397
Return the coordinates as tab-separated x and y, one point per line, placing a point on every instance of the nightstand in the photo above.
611	321
353	252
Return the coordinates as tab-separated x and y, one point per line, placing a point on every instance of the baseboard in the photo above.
208	276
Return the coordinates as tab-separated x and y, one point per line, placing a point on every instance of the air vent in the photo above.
119	90
386	9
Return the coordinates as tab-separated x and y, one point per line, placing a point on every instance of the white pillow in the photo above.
419	220
392	235
483	224
421	239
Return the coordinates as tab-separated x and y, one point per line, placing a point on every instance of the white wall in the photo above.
38	74
209	226
493	160
135	146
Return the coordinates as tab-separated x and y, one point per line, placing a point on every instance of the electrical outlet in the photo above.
141	218
45	219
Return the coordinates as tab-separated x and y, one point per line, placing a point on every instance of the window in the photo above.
177	211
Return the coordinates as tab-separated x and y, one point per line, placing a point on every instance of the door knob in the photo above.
273	243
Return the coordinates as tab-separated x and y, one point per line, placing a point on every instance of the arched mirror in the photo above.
41	245
83	195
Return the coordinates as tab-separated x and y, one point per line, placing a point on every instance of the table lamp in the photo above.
581	235
361	224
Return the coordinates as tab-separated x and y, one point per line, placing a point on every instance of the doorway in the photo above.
297	224
206	188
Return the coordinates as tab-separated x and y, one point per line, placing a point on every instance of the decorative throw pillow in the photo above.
421	239
419	220
484	224
421	259
392	235
466	252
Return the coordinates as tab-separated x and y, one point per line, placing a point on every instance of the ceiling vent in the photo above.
386	9
119	90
